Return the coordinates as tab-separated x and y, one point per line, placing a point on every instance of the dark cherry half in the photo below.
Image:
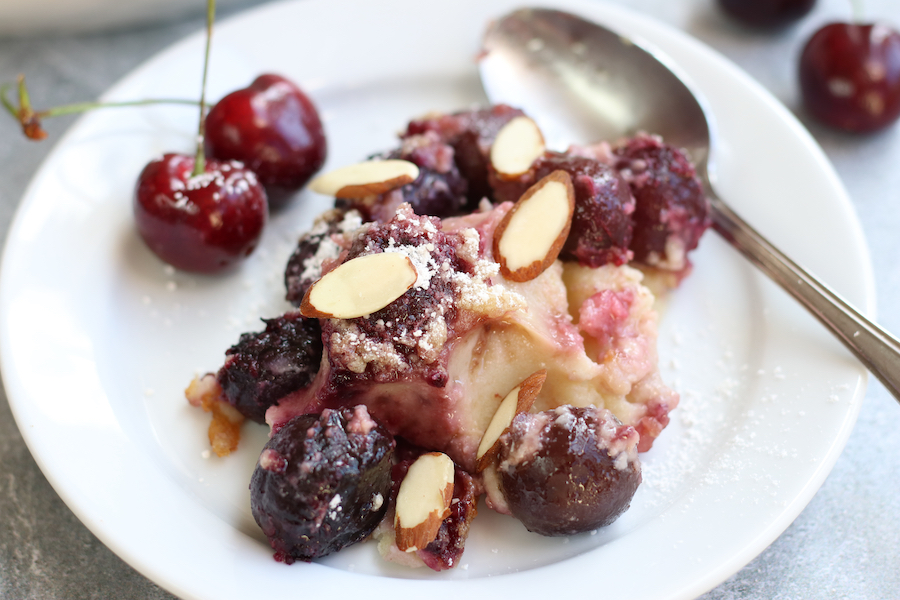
265	366
850	76
274	129
203	223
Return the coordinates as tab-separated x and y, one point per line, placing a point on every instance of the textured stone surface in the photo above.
845	545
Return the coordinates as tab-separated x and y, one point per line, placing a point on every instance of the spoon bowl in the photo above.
583	83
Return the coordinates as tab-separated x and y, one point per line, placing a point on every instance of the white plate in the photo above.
99	339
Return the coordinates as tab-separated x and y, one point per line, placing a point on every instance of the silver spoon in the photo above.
576	77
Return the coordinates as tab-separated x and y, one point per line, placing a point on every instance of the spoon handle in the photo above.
877	349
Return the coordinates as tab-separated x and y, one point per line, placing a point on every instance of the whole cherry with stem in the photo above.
31	119
196	213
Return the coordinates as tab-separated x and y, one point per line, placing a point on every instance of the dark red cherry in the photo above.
850	76
672	211
471	133
602	225
322	482
265	366
568	470
202	223
274	129
767	13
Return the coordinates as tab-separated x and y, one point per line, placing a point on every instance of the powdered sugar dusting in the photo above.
479	292
422	260
328	250
355	350
452	278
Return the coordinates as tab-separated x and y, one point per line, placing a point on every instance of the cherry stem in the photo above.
24	98
80	107
200	158
6	103
30	119
31	124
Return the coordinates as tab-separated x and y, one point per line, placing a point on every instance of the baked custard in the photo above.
473	319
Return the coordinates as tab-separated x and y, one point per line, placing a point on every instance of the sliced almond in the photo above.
365	178
517	145
531	235
423	501
519	400
359	286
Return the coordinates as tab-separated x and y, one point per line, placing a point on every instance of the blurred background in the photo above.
38	17
845	545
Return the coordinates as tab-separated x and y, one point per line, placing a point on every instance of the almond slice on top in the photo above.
360	286
519	400
517	145
531	235
365	179
423	501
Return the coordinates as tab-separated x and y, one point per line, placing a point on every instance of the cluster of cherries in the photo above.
262	143
206	212
849	72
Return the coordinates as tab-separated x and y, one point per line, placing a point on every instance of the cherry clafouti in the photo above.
274	129
850	76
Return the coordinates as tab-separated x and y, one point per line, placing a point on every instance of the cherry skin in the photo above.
274	129
204	223
850	76
767	13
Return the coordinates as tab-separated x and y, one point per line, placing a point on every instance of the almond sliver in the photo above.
365	179
360	286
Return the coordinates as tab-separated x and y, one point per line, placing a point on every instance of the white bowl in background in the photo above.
28	17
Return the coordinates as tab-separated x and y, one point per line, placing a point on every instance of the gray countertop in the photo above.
845	544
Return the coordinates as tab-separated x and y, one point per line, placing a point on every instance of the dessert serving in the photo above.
473	319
